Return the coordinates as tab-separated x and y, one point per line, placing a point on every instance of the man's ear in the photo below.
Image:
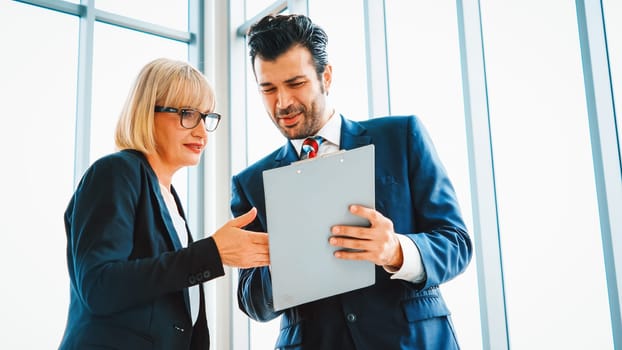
327	77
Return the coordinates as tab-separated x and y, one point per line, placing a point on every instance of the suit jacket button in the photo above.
206	275
351	317
192	280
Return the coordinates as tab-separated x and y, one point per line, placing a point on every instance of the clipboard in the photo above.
303	201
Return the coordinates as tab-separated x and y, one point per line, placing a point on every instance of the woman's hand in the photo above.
242	248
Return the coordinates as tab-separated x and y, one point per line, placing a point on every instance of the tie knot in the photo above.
310	146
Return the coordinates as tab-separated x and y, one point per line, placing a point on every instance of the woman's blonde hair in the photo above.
162	82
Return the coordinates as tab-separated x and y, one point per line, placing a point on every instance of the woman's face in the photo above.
177	146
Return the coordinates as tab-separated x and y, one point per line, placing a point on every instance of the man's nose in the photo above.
284	99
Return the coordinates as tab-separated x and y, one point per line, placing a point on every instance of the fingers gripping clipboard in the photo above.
303	201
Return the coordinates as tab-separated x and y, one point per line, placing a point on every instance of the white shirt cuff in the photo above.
412	266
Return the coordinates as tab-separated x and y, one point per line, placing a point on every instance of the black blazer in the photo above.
129	273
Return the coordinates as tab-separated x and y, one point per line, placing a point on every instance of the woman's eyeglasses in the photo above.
189	118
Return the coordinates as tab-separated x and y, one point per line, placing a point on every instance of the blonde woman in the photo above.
136	273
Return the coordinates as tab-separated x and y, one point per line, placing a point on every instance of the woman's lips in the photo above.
194	147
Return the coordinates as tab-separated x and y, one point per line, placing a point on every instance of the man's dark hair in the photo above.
274	34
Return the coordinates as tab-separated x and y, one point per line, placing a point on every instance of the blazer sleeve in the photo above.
101	223
441	235
254	284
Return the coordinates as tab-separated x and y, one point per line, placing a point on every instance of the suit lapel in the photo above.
286	155
166	218
163	211
173	235
353	135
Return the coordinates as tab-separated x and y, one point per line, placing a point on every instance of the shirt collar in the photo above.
331	132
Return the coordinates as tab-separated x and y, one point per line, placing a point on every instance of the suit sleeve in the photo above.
101	221
254	284
441	236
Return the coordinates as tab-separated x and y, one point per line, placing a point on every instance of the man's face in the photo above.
293	95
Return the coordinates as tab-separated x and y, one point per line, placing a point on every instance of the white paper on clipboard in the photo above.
303	201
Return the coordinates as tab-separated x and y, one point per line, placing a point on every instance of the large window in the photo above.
548	215
38	89
613	26
172	14
428	84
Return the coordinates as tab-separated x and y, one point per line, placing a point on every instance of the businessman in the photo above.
416	238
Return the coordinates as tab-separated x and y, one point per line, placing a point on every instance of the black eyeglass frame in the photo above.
181	111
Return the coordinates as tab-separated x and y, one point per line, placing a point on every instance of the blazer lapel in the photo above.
155	191
176	236
286	155
353	135
166	218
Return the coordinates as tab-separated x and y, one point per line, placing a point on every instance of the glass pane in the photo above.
38	89
428	84
119	54
346	53
548	217
613	24
168	13
254	7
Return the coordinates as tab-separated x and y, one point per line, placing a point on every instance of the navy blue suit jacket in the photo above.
414	191
129	274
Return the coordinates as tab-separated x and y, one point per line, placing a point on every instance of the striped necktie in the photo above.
310	146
